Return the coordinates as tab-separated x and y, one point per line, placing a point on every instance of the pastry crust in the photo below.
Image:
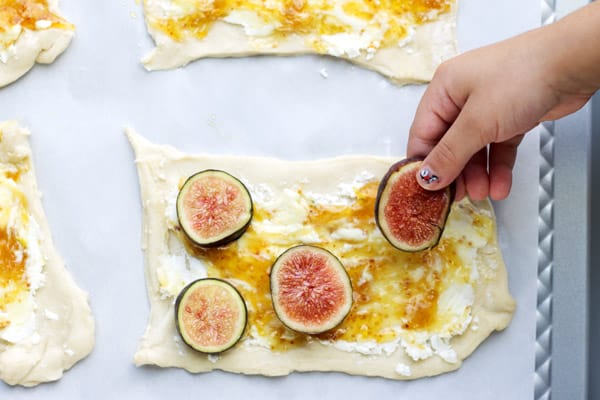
64	324
34	46
160	167
415	62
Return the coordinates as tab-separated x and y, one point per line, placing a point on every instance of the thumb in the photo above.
451	154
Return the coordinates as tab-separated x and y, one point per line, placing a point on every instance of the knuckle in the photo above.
484	131
444	69
446	155
494	132
486	136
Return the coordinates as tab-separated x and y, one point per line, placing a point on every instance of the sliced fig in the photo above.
410	217
310	289
210	315
213	208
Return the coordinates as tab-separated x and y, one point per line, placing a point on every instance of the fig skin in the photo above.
450	192
347	286
228	239
220	243
180	298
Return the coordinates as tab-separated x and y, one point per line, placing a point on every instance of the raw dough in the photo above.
64	327
41	45
161	168
414	61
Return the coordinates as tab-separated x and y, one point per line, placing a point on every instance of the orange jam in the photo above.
12	267
26	13
305	17
391	289
13	253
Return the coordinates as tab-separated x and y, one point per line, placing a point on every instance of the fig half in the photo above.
310	289
210	315
410	217
213	208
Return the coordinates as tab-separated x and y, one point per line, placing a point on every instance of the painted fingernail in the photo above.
428	177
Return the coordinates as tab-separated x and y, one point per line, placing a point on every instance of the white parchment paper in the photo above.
281	107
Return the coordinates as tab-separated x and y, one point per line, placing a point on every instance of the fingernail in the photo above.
428	177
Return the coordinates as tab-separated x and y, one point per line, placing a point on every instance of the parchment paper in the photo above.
281	107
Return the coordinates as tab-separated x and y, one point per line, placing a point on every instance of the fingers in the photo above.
435	113
451	154
452	131
478	183
476	178
461	191
501	163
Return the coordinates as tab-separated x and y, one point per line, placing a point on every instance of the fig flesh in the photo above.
310	289
213	208
210	315
411	218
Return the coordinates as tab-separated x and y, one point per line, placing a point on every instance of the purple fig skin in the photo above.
451	193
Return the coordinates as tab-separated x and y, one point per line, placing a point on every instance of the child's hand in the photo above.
494	95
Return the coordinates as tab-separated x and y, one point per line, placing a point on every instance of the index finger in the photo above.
437	110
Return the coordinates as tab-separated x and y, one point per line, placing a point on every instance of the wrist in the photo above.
573	51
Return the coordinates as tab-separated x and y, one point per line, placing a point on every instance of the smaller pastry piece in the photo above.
30	31
46	325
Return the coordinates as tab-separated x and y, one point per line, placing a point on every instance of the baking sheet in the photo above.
281	107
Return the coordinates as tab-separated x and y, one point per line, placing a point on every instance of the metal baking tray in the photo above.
593	314
565	354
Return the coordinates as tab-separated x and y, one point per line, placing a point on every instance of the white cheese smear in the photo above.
43	24
7	39
288	210
361	37
403	369
252	23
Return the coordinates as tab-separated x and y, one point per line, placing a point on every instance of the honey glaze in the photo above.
393	291
14	255
314	18
27	13
13	258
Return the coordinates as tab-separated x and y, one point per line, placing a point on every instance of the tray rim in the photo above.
559	314
543	346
